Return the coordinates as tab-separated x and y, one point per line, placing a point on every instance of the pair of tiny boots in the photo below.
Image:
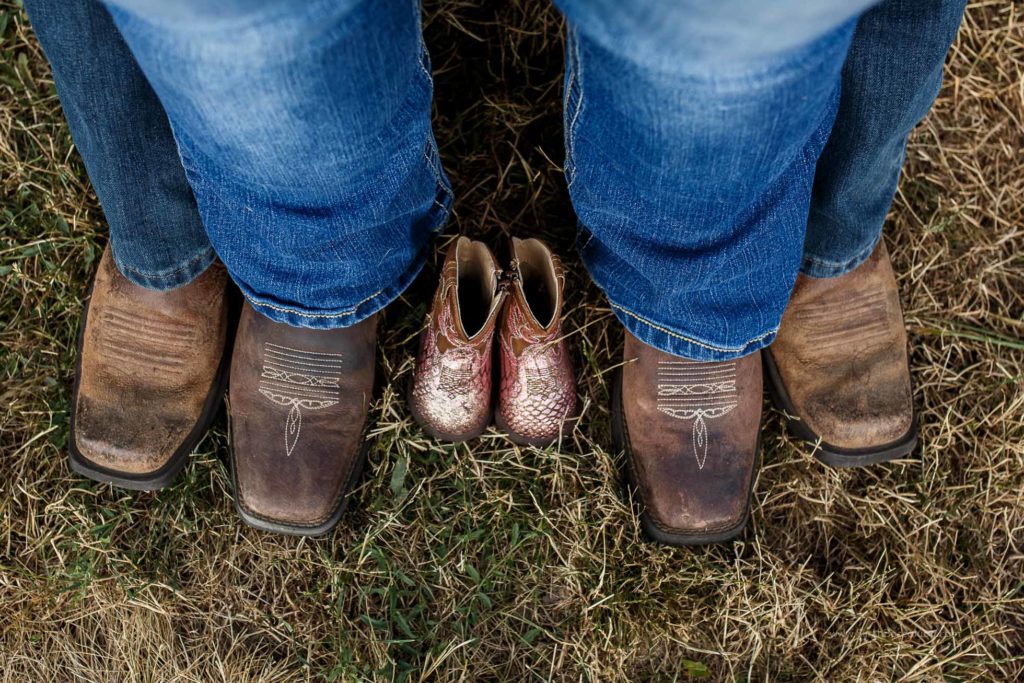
452	391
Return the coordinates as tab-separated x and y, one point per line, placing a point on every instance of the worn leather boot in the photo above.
839	369
537	394
150	376
450	395
690	431
299	400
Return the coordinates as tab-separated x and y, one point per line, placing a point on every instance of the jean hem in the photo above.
172	278
687	345
813	266
356	313
332	319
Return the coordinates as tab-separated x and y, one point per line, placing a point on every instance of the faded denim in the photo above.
890	79
709	159
122	134
692	142
304	130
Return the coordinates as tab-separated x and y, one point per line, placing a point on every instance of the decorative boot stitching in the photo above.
299	380
689	390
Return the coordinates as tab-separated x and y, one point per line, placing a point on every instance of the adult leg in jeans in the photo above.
305	134
122	133
839	364
691	142
150	370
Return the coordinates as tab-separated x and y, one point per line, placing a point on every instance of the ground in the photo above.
491	562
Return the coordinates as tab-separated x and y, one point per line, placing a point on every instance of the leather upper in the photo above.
691	431
537	394
149	360
299	400
841	353
451	389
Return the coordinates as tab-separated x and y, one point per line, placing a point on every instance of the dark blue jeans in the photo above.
708	159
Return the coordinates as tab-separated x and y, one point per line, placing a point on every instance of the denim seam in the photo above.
590	237
575	78
435	167
191	263
690	340
291	311
422	65
431	147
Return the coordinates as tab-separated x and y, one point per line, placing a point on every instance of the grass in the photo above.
491	562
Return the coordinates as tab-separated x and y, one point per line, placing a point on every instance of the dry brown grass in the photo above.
488	562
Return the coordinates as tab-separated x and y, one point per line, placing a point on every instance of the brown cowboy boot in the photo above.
150	375
450	394
298	400
839	366
537	396
691	434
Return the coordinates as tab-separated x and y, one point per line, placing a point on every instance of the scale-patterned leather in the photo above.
451	390
538	389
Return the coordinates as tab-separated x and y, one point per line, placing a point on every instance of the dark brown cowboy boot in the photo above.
537	396
839	366
450	395
691	433
298	401
150	376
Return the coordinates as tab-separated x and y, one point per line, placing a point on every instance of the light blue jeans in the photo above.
708	159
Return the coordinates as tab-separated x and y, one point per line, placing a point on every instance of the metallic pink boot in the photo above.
537	398
451	388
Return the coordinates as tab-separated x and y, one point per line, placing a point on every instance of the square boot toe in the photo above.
298	500
696	510
294	491
132	438
858	415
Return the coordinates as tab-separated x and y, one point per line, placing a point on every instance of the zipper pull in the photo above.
507	278
510	276
500	281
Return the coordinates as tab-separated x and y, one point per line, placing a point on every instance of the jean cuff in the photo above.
171	278
332	319
357	312
686	345
815	267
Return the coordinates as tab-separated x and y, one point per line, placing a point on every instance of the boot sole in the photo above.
834	456
166	474
619	435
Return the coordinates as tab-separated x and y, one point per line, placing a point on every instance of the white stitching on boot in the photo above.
689	390
297	380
